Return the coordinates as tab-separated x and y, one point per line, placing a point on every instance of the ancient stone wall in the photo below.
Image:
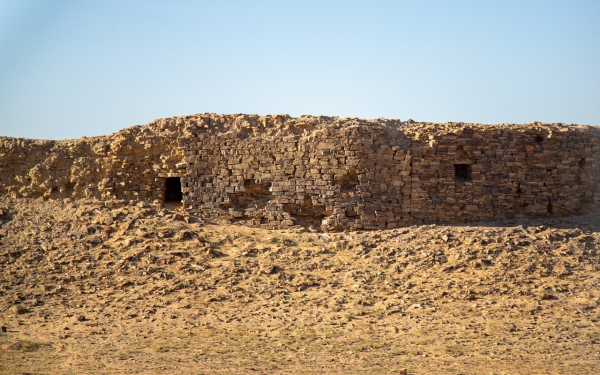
122	166
382	174
512	171
278	171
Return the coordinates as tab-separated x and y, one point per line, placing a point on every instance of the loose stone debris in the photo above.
514	296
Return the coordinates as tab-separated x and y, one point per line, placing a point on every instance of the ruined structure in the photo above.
278	171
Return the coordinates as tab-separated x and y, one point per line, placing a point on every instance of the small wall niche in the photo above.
349	182
173	189
462	172
255	194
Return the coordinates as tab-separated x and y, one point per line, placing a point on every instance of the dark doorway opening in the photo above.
173	190
462	172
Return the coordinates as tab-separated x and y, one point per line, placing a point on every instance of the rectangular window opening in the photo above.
173	190
462	172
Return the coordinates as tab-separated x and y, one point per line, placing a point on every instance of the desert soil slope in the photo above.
94	288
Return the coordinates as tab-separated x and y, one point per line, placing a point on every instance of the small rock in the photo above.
3	329
81	318
197	267
179	253
445	238
95	240
546	293
287	242
18	309
185	235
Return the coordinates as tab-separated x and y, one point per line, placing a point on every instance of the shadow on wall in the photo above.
306	212
251	194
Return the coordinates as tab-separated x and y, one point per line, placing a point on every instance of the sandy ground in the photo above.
90	289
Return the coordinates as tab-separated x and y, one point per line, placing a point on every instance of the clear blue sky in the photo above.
74	68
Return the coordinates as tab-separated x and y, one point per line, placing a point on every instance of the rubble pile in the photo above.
89	286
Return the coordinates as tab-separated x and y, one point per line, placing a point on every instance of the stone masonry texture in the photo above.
334	173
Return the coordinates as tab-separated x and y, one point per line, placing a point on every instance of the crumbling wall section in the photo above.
129	165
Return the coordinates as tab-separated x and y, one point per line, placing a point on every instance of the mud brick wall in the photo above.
336	174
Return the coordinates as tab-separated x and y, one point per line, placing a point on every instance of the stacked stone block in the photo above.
278	171
357	174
